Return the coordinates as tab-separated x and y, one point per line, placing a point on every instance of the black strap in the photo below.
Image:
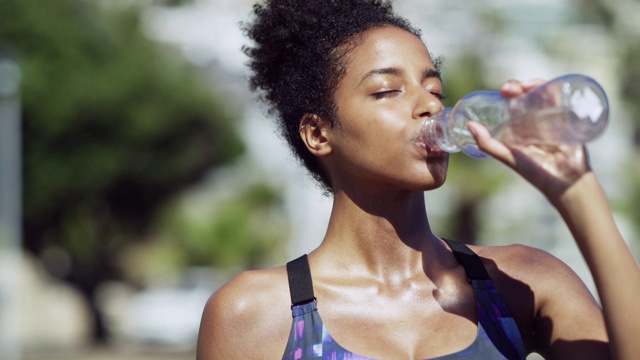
471	262
300	285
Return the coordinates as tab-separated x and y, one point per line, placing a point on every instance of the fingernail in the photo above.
510	85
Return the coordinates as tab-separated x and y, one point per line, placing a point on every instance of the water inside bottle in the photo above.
546	126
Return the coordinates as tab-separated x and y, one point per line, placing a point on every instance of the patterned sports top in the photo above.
498	336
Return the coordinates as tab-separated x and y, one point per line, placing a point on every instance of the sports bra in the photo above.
497	338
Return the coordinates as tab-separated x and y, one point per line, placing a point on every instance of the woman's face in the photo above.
389	87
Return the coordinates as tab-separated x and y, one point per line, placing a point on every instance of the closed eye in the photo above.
440	96
385	94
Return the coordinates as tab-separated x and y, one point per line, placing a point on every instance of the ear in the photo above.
314	132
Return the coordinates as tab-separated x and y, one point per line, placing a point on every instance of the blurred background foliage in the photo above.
246	229
119	133
622	26
115	127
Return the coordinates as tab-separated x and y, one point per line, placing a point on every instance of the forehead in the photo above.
385	47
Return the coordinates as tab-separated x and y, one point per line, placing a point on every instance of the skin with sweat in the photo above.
387	287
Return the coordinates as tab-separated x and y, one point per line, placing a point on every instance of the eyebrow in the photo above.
394	71
432	73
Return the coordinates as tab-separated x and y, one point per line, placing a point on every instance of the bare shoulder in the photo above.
249	317
534	268
556	313
516	258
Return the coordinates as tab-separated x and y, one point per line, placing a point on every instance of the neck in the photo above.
389	234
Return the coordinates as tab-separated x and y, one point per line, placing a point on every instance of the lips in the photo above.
431	151
420	143
436	152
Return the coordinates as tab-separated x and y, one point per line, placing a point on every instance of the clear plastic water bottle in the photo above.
569	109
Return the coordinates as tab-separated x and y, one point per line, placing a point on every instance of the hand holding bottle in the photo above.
569	109
563	174
551	167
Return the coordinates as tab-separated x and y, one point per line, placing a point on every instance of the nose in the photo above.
427	104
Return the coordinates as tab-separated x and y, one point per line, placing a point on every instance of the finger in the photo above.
511	88
531	84
490	145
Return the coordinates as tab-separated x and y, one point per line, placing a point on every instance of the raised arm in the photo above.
586	211
564	176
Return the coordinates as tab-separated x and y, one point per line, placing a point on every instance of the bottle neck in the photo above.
435	134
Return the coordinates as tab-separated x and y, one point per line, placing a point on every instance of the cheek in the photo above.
389	134
370	134
380	128
373	122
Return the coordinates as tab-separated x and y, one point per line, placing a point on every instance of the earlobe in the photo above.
314	132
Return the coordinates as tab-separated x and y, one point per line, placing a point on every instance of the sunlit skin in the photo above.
387	287
391	86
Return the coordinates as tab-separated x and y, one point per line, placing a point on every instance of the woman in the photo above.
350	82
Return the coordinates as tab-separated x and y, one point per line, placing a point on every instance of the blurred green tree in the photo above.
113	126
244	227
253	218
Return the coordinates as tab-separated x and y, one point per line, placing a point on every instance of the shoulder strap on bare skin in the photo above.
471	262
300	284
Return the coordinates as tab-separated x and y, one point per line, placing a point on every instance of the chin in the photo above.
428	182
438	171
435	184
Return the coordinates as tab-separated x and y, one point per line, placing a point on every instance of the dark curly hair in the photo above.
297	58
